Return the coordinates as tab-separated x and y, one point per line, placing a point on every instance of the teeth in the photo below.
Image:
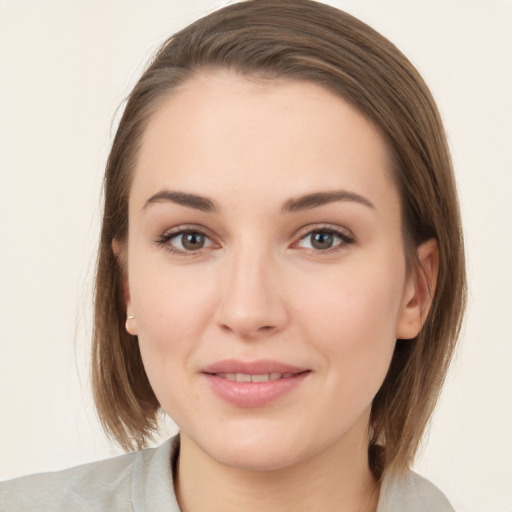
247	377
260	378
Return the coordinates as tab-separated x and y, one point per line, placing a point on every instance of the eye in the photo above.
324	239
185	241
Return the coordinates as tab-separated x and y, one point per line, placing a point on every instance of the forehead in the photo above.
223	132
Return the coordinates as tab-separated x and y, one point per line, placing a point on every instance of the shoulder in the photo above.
413	493
86	487
99	486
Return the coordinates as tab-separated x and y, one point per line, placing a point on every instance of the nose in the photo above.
251	296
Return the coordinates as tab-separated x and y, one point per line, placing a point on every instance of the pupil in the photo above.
322	240
193	241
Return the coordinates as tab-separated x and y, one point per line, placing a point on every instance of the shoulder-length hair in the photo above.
297	40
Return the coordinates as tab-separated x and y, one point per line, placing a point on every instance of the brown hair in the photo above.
298	40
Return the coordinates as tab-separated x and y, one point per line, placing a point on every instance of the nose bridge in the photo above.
251	301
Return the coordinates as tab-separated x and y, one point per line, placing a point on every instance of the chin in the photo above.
252	447
257	457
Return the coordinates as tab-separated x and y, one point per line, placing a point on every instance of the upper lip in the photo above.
259	367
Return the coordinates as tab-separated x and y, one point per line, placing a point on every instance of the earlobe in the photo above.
131	325
419	291
131	322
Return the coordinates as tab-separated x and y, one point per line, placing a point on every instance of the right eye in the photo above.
186	242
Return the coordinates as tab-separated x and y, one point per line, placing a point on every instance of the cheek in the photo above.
171	308
169	301
353	321
169	326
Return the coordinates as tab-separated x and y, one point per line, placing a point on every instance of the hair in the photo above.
306	41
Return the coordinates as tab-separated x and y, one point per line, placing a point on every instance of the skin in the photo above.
260	289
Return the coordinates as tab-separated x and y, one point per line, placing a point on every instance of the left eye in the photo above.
323	240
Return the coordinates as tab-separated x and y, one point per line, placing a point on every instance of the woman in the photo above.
281	271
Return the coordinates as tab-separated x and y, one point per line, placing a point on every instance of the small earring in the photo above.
130	317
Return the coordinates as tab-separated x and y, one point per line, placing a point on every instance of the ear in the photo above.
419	291
131	322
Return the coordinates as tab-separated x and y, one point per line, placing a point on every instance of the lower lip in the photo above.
253	394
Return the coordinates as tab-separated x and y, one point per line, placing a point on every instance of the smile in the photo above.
253	384
247	377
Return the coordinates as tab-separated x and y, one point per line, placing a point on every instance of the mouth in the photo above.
275	369
253	384
261	377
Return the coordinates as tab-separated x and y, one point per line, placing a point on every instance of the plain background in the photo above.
65	67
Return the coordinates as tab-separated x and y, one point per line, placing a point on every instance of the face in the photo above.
265	268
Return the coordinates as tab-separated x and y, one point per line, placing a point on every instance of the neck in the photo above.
338	479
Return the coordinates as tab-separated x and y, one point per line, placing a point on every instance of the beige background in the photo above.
65	66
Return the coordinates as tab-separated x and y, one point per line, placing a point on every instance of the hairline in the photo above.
264	77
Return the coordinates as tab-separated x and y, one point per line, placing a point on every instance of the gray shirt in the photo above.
142	482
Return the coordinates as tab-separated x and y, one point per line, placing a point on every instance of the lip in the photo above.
253	367
253	394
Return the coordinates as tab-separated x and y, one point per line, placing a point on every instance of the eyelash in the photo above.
164	239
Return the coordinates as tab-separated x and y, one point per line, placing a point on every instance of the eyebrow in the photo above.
183	198
320	198
301	203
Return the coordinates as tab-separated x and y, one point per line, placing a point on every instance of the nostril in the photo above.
247	332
